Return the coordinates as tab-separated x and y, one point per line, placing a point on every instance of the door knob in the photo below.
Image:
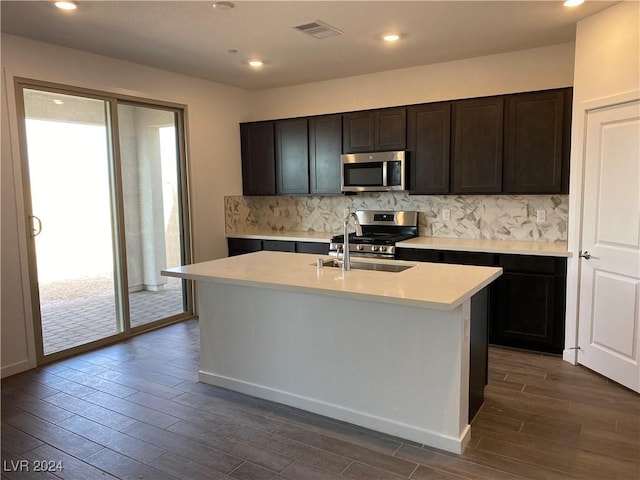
586	255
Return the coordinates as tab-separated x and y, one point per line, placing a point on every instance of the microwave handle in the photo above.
384	174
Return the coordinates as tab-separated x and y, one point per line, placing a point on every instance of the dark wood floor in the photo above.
135	411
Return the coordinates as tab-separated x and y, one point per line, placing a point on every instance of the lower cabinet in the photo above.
526	305
240	246
530	303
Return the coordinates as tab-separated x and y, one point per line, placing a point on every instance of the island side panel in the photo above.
478	356
396	369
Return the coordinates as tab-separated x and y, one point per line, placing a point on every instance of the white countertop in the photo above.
516	247
290	236
426	285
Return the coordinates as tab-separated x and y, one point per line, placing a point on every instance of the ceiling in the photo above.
193	38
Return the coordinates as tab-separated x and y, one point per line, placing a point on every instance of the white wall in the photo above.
213	114
607	70
520	71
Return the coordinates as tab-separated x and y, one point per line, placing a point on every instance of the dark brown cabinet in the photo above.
477	145
258	158
325	147
513	144
536	142
240	246
526	305
292	157
428	142
530	303
375	130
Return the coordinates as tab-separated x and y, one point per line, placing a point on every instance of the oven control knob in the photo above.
375	248
359	247
383	249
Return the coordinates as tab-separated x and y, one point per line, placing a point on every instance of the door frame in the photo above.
576	207
23	191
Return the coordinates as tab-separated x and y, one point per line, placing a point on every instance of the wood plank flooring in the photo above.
135	411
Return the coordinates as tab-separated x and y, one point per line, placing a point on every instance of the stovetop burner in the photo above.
381	231
374	238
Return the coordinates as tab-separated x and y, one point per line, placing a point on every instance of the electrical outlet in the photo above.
541	216
446	214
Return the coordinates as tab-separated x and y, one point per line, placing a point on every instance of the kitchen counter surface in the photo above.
515	247
424	285
291	236
552	249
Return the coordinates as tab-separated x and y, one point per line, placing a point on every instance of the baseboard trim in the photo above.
342	413
15	368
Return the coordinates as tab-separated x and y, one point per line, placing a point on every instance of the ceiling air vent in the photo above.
318	29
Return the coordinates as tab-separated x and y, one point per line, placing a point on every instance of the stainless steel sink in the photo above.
380	267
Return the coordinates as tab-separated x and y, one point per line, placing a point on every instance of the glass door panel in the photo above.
70	174
150	166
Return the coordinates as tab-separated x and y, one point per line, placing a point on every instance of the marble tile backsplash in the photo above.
500	217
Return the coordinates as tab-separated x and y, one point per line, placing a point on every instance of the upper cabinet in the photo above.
258	158
428	142
476	158
325	147
537	135
512	144
292	157
375	130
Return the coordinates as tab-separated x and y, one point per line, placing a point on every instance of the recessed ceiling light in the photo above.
573	3
391	37
256	63
223	5
68	5
57	101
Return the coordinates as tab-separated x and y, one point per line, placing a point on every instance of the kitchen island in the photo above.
389	351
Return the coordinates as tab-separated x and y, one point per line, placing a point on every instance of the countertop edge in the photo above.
316	237
544	249
362	296
480	249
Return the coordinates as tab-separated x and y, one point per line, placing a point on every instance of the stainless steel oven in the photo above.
373	172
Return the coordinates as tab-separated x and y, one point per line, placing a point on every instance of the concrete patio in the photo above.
75	312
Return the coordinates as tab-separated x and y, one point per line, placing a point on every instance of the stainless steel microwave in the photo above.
373	172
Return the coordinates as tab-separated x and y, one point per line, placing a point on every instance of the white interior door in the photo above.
609	336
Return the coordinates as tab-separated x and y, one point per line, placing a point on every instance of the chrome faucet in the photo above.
346	260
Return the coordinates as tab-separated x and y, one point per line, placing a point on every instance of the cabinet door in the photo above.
292	157
534	153
320	248
358	132
531	303
375	130
279	245
525	311
470	258
325	147
429	139
390	129
418	255
477	145
258	158
239	246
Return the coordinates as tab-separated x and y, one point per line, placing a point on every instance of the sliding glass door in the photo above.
149	155
105	192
